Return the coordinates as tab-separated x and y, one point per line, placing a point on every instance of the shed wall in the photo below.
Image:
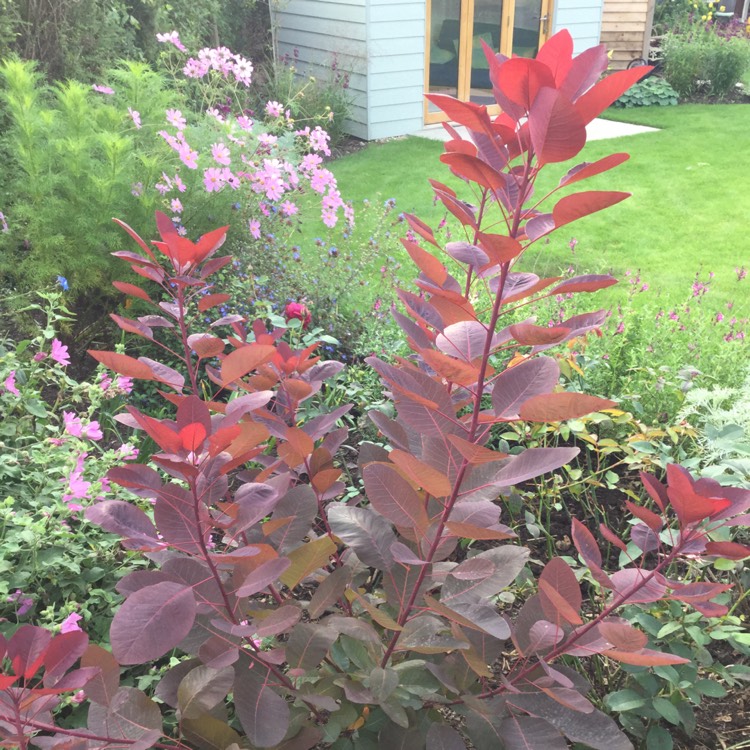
626	29
582	18
312	32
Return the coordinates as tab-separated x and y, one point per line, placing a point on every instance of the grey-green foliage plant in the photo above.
75	155
651	92
701	61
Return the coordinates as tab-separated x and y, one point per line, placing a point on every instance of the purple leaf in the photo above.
465	340
525	732
366	532
393	497
263	576
124	519
152	622
512	387
532	463
131	715
264	714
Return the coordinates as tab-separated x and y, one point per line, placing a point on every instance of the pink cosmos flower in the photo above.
195	68
220	154
4	222
176	119
288	208
188	156
179	184
274	109
171	38
70	623
319	140
136	117
245	122
213	180
254	227
176	205
60	353
266	139
103	89
10	384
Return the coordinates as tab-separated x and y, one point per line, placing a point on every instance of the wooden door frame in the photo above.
466	22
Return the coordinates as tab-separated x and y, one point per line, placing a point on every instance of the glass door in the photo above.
454	57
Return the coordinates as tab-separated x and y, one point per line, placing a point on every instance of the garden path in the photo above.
597	130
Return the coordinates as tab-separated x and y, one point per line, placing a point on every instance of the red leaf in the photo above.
499	247
623	636
421	229
516	385
27	649
729	550
645	658
205	345
192	437
132	290
474	169
607	91
557	54
699	591
638	586
123	364
137	238
528	334
556	407
612	538
427	263
557	132
473	116
584	72
589	169
210	242
133	326
393	497
166	438
521	80
244	360
656	490
576	206
689	506
587	283
559	592
651	519
212	300
586	545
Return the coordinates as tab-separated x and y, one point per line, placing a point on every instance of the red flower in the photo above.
298	311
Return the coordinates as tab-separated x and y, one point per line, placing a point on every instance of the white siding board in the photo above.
325	27
401	95
392	30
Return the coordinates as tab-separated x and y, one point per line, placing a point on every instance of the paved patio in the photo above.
598	130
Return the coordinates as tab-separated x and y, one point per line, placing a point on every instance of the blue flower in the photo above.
63	282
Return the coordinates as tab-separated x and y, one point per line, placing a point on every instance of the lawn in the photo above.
688	212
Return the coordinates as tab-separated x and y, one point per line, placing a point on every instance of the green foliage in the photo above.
76	155
702	62
323	99
651	92
669	14
58	564
83	38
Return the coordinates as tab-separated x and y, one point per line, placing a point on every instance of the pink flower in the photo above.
213	180
72	424
254	227
4	223
274	109
92	431
25	603
175	118
136	117
127	452
188	156
288	208
171	38
77	487
124	383
10	384
78	697
719	317
176	205
298	311
245	122
221	154
60	353
70	623
103	89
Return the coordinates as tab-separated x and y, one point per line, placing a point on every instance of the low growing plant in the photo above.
653	92
364	624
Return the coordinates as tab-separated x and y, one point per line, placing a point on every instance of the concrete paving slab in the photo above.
598	130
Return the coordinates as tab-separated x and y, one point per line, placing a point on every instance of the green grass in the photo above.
688	212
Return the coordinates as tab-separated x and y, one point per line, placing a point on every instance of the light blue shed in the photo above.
396	50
